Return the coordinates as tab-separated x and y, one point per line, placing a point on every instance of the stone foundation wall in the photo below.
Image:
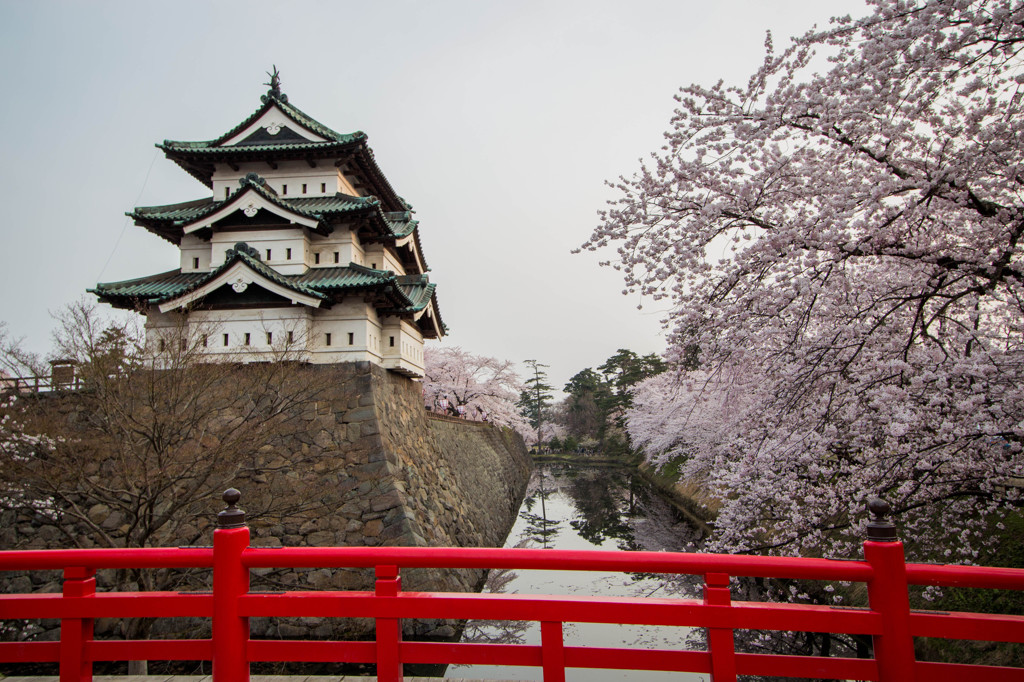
385	473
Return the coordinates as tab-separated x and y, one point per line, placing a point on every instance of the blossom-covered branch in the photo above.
841	251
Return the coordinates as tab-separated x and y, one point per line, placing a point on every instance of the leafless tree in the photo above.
141	454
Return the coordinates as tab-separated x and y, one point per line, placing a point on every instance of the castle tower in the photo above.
303	246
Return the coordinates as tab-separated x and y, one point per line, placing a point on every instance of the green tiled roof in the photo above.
315	282
336	203
167	286
197	157
418	290
203	149
405	294
150	288
420	293
401	223
184	211
235	255
169	221
294	113
329	279
190	211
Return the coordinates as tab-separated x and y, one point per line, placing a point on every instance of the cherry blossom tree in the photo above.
842	244
548	430
676	413
486	387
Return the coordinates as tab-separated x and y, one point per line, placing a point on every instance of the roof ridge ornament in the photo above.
275	87
242	248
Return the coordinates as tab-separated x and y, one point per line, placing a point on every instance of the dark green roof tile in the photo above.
314	282
183	211
294	113
326	279
162	219
150	288
198	157
406	294
202	149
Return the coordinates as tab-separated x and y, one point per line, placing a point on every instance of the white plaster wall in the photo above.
304	246
341	240
346	187
168	327
392	263
407	351
193	247
322	180
380	258
351	317
309	327
278	241
214	324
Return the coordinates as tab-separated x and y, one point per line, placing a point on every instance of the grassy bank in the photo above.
689	497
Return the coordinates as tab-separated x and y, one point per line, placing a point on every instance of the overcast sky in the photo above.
498	121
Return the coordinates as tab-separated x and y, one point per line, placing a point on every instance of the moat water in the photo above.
589	508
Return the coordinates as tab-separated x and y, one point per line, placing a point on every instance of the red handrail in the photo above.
889	619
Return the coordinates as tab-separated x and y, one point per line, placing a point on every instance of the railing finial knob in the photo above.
232	517
880	529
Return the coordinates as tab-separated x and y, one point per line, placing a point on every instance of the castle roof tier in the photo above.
256	203
278	131
301	239
410	296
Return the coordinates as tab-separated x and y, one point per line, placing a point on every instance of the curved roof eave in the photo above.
238	256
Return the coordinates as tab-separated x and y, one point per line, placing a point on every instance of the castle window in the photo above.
284	189
391	341
270	338
182	344
328	335
291	337
336	255
303	188
323	188
162	346
316	259
351	339
268	254
225	339
195	263
373	265
287	254
227	192
248	338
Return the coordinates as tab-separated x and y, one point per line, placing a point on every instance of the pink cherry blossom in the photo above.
484	386
841	248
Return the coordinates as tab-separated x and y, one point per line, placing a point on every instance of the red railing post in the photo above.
721	641
230	581
76	633
552	651
389	630
887	594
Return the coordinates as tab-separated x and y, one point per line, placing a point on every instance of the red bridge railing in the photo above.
888	620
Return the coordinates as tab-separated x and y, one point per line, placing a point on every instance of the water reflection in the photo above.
583	507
